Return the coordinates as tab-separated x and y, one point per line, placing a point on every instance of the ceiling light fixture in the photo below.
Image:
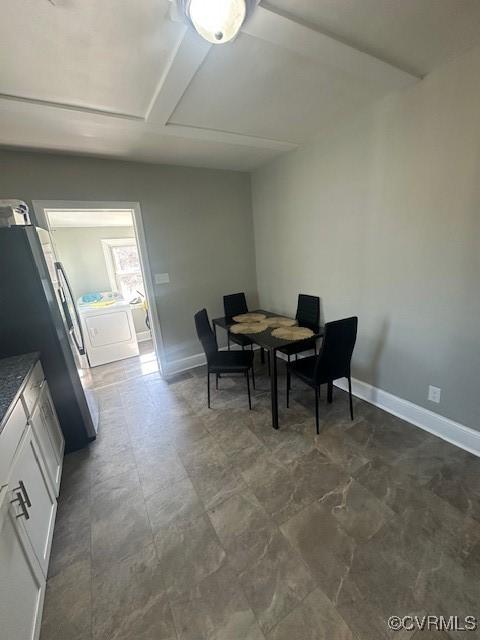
217	21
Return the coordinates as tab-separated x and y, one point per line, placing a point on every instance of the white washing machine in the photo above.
108	328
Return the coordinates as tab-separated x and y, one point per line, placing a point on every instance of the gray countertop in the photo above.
14	372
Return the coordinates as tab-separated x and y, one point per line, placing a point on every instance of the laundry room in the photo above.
100	273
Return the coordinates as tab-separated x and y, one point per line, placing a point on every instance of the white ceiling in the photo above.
67	218
106	55
271	86
416	35
121	79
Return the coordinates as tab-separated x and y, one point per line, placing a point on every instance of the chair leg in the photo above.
330	392
317	423
248	390
288	388
350	396
253	377
228	341
268	362
216	381
208	389
296	357
243	347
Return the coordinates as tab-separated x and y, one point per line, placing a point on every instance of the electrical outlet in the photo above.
162	278
434	394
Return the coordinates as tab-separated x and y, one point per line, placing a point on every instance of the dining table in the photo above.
265	340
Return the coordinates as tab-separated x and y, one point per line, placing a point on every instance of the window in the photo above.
123	267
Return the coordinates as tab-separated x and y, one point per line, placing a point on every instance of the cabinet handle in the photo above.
25	494
21	502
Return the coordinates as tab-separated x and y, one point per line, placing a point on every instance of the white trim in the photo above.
216	135
184	364
155	328
457	434
143	336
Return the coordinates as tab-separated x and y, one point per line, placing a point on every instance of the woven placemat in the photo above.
249	317
292	333
280	321
248	327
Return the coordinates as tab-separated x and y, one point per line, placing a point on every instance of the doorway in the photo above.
101	252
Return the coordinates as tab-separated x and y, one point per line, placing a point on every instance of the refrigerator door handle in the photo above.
77	336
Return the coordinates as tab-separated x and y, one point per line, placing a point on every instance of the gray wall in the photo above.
81	252
381	218
198	226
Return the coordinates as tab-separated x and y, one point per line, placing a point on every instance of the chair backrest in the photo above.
335	355
234	304
206	334
308	311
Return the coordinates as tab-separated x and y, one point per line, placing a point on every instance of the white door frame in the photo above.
39	207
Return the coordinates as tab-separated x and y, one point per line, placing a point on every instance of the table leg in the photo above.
274	388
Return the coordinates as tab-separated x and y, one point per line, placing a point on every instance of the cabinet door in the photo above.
22	584
29	479
50	438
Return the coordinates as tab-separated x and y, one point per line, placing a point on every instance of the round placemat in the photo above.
248	327
280	321
249	317
292	333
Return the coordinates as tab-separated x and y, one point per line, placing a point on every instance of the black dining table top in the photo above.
264	338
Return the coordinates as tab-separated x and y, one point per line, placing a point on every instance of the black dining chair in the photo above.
308	315
234	305
222	362
332	363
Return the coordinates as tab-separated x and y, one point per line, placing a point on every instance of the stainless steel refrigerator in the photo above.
38	313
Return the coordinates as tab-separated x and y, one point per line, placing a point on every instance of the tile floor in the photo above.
106	374
183	523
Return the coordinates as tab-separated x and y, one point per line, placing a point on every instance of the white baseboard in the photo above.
457	434
184	364
143	336
449	430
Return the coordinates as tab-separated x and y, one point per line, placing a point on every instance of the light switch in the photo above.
162	278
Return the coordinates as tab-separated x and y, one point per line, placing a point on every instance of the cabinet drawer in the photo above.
49	436
33	388
10	439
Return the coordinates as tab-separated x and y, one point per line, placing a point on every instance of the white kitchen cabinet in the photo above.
22	584
49	435
31	455
35	504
